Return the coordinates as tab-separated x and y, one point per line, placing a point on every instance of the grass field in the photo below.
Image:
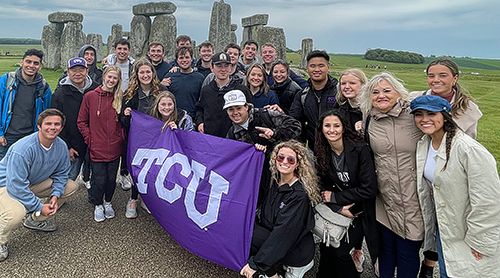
485	87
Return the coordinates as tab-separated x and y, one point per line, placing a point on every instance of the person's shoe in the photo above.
426	271
108	210
143	205
99	213
126	182
297	272
131	209
43	226
358	258
4	252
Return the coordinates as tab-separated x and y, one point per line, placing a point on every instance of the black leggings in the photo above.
337	262
104	180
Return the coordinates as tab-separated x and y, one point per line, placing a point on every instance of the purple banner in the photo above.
200	188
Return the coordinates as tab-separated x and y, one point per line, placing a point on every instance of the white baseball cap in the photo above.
234	98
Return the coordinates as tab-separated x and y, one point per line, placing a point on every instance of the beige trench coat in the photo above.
393	139
466	206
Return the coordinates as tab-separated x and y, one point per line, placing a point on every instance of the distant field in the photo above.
485	87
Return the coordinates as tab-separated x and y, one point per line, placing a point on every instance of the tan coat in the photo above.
465	206
467	121
393	139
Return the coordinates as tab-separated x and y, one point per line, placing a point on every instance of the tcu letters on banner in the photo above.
201	189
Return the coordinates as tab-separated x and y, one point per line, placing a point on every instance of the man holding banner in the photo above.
194	190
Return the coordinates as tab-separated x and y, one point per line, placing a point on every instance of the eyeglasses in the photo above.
290	159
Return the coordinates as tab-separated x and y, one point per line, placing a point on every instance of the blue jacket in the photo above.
42	101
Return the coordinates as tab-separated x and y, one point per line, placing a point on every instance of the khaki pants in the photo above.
12	211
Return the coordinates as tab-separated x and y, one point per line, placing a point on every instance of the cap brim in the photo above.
236	103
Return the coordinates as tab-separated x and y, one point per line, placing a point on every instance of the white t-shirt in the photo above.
430	164
124	67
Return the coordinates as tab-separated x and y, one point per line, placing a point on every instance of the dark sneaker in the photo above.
4	252
43	226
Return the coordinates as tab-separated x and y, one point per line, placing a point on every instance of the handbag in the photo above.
330	226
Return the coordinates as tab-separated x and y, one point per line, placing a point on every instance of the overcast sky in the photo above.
439	27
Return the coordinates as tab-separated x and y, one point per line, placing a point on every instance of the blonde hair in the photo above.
304	171
359	74
117	91
134	83
155	113
365	94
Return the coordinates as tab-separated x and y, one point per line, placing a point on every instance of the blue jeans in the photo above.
75	167
442	265
397	252
11	139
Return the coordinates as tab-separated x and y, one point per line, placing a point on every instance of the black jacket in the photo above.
288	214
139	102
209	108
202	70
68	100
308	110
351	115
362	189
286	92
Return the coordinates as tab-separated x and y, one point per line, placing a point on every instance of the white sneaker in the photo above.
297	272
87	184
108	210
131	209
99	213
126	182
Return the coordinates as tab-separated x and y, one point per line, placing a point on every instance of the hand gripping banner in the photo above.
200	188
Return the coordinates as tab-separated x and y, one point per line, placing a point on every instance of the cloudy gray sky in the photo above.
439	27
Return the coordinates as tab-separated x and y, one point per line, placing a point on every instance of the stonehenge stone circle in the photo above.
154	8
65	17
140	27
72	39
220	26
51	45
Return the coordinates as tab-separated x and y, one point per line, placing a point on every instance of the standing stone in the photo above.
307	47
234	27
116	34
51	45
154	8
140	27
220	26
96	41
164	30
65	17
72	39
274	35
251	24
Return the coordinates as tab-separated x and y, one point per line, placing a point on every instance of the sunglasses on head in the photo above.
290	159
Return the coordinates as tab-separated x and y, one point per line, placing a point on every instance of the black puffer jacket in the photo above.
286	92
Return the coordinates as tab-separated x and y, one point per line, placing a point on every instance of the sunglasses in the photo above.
290	159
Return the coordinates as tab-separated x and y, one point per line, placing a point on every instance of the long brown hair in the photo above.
462	97
304	171
134	83
450	127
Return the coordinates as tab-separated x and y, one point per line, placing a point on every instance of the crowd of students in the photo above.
405	166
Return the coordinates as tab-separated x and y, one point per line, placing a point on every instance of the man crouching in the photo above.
34	167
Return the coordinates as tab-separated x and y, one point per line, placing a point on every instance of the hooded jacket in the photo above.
99	125
7	97
310	103
94	72
68	98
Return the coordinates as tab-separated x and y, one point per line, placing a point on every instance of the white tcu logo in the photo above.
159	157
